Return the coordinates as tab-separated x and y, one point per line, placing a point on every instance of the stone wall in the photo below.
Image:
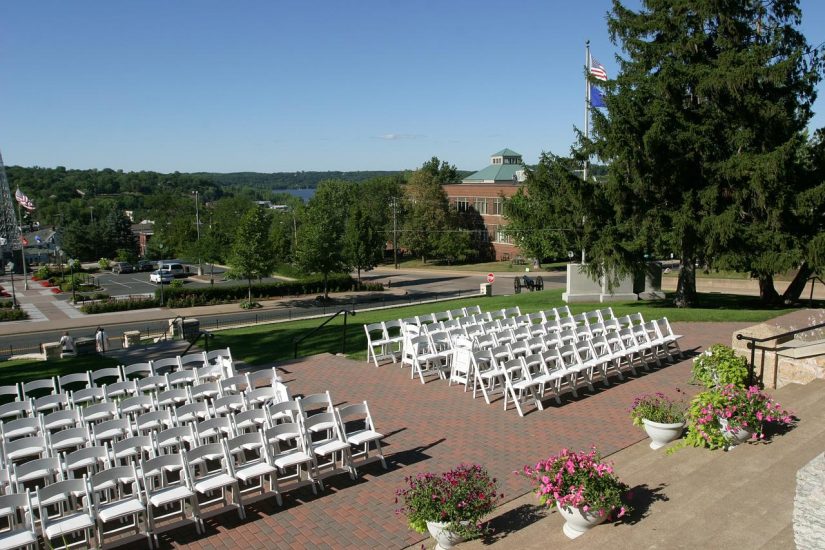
809	505
766	359
783	361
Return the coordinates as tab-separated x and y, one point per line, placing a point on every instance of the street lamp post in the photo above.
198	230
71	267
160	266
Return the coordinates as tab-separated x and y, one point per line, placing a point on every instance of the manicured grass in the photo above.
723	274
24	370
267	343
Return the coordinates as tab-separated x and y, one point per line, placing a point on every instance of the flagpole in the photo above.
586	100
22	249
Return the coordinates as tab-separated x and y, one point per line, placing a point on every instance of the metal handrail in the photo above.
298	340
813	279
752	341
206	336
170	325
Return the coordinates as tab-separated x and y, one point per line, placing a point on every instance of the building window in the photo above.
480	205
502	236
496	208
462	204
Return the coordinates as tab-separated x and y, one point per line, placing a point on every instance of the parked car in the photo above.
161	276
145	265
122	267
175	269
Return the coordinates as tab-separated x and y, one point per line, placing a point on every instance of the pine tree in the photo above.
704	124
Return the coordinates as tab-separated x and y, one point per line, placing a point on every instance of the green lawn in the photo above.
262	344
724	274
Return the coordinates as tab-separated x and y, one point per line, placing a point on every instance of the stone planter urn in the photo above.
661	434
577	522
443	537
735	436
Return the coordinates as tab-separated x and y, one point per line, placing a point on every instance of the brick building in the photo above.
481	193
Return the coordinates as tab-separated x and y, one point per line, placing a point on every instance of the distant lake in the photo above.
303	194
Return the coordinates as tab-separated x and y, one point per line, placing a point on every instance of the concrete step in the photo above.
783	539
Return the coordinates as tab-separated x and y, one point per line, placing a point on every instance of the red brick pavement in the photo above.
432	427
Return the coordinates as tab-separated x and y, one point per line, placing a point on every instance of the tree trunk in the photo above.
794	290
249	291
359	277
326	290
686	287
767	292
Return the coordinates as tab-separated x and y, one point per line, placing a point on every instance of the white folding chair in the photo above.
39	472
17	513
87	396
154	383
10	392
180	379
119	390
253	420
191	412
69	440
21	427
395	338
234	385
165	366
101	377
192	361
116	496
133	450
86	461
288	448
152	421
111	430
61	420
325	440
213	430
136	405
25	448
73	515
518	384
175	440
359	431
72	382
172	398
670	339
209	373
138	370
163	490
377	342
38	388
486	373
283	411
461	365
251	461
228	405
211	470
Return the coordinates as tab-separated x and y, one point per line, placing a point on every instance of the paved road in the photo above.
51	314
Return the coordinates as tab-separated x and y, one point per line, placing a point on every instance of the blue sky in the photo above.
269	86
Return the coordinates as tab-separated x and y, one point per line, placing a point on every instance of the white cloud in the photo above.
396	137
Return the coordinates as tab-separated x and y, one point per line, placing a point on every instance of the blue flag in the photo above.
596	99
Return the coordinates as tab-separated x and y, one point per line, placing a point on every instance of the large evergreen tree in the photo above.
427	209
702	133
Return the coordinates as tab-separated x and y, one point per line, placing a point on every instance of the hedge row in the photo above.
7	314
106	306
201	296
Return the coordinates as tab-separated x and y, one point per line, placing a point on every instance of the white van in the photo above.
175	269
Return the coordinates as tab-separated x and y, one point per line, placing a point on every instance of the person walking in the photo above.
101	340
67	344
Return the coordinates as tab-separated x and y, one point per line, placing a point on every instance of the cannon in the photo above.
528	283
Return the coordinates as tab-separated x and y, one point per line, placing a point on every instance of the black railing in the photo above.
813	280
206	335
753	341
171	325
300	339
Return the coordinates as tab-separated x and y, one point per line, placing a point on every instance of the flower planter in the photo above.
735	436
443	537
577	522
662	434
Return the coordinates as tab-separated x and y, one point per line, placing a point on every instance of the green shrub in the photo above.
104	263
9	314
106	306
199	296
176	283
6	304
719	366
42	273
250	305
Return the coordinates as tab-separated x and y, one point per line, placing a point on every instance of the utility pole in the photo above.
198	232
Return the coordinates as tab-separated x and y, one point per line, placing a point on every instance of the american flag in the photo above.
23	200
597	70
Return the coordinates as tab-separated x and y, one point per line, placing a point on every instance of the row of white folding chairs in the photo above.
577	356
170	389
90	380
352	443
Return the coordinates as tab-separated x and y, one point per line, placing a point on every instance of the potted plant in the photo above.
726	416
662	418
719	365
450	505
585	490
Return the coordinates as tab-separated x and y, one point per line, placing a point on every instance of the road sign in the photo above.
491	277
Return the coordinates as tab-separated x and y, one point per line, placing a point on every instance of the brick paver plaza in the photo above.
433	427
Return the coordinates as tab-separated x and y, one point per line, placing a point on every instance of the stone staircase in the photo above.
696	498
